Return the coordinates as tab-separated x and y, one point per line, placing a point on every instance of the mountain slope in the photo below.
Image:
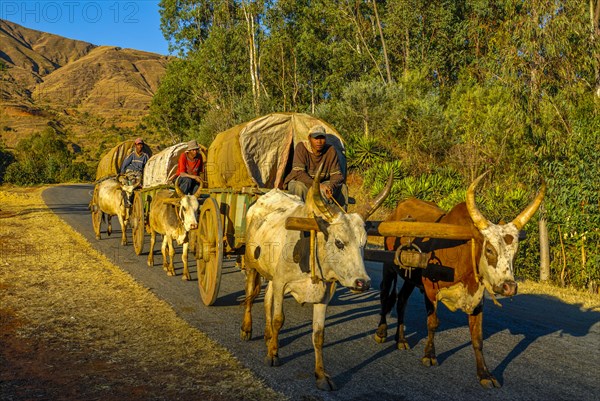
83	87
31	54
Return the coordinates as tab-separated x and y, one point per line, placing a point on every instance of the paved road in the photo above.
538	347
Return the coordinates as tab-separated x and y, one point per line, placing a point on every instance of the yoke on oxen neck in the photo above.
331	220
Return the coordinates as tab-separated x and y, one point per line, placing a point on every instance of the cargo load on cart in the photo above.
162	167
259	153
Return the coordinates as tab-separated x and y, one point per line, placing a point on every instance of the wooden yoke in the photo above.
411	230
424	230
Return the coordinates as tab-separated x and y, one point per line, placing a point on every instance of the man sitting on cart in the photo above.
190	168
306	162
133	165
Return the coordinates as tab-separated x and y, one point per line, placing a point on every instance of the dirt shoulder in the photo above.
73	326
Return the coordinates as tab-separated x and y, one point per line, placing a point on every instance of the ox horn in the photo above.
199	190
530	210
317	198
370	207
478	218
178	190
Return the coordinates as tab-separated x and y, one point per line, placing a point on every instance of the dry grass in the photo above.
571	296
75	326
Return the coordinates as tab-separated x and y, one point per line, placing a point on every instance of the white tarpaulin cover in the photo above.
161	168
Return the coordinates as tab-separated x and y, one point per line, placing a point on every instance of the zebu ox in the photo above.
282	257
485	262
112	198
173	217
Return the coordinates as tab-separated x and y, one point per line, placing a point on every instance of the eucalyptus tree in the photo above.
426	36
595	40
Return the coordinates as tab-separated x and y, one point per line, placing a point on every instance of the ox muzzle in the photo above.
360	285
507	289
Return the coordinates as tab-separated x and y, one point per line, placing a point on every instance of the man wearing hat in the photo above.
135	162
190	168
306	162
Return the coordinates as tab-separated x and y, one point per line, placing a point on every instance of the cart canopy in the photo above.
259	153
161	168
110	164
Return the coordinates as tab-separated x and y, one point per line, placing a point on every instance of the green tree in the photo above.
44	158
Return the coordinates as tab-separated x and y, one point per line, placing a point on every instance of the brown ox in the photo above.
173	217
486	262
112	198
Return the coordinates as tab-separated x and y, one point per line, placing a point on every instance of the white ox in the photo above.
282	256
112	198
173	217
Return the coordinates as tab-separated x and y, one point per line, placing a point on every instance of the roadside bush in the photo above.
6	158
44	158
23	173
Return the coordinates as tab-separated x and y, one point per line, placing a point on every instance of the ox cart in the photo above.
158	175
242	163
109	167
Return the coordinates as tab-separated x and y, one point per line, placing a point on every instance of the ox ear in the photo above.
323	226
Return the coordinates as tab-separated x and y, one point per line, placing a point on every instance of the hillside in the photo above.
76	85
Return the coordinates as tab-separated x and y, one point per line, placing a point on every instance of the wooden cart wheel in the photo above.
96	214
209	251
136	220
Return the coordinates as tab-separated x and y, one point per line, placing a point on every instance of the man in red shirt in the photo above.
190	168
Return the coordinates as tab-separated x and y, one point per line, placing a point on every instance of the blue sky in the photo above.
123	23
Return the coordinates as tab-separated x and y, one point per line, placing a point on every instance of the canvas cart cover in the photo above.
161	168
259	153
110	164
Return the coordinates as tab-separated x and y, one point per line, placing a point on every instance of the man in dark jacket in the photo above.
306	162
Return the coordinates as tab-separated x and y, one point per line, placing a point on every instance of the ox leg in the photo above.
184	256
276	298
168	257
430	359
324	381
387	298
486	379
99	225
151	251
268	313
109	224
252	291
405	291
123	230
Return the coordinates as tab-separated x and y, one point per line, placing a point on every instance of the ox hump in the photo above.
274	201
